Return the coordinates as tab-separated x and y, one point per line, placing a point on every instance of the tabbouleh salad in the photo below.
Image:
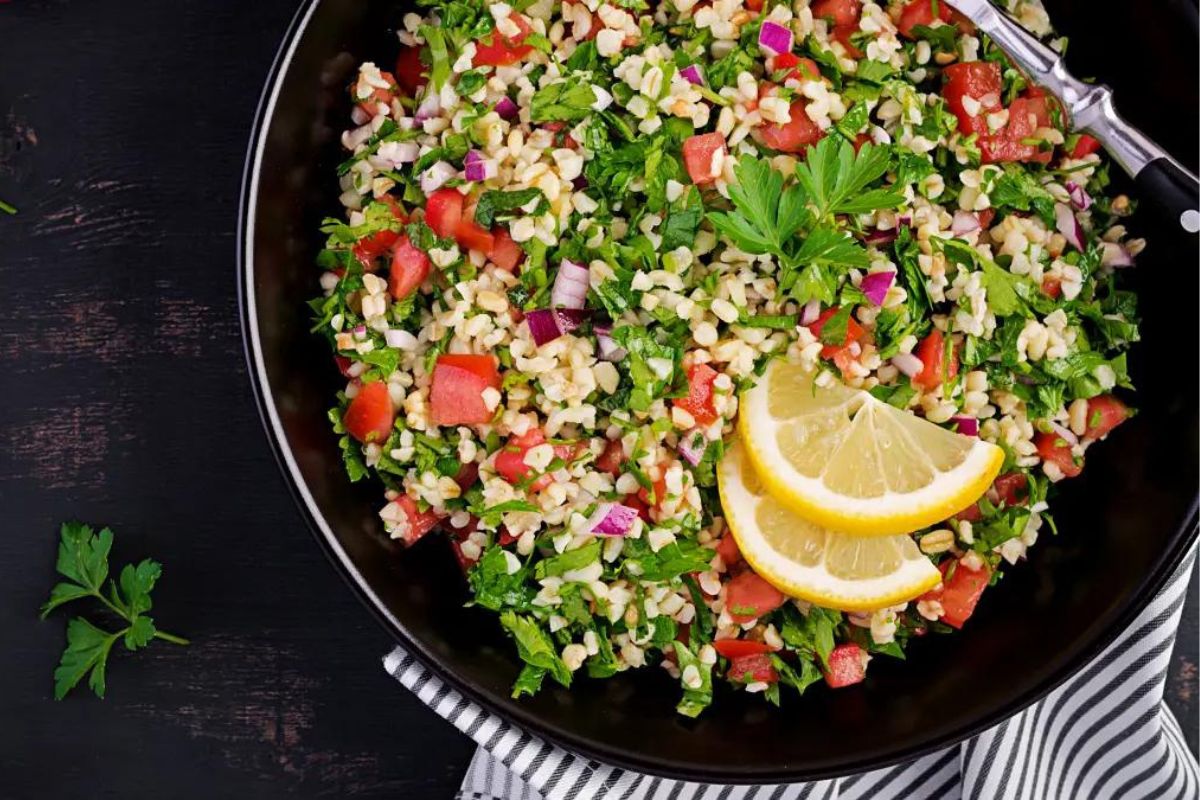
565	255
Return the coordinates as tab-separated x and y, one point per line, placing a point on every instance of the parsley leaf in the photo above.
83	561
565	101
836	179
536	649
495	203
767	215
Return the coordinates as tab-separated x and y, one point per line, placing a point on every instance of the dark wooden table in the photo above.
122	132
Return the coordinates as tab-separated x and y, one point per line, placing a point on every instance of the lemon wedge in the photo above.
839	458
822	566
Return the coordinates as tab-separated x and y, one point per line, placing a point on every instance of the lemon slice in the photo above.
831	569
842	459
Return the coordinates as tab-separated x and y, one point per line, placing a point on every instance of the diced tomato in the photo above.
793	136
504	537
497	51
699	402
846	666
971	513
985	217
1104	413
860	140
610	460
458	383
979	80
468	473
959	591
801	69
379	95
1053	449
369	416
755	5
510	461
660	493
473	236
343	365
1025	116
464	563
1051	287
444	211
505	254
410	267
1011	489
698	156
736	648
934	362
635	502
837	12
854	333
756	668
369	248
748	597
843	34
410	72
920	12
419	522
1085	146
727	549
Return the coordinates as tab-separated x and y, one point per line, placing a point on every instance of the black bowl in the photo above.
1123	525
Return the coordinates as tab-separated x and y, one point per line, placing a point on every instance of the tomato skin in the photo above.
1011	489
920	12
728	550
369	416
379	95
409	70
748	597
419	522
736	648
838	12
456	397
801	69
1025	116
1104	413
660	493
698	154
932	351
473	236
1052	449
1085	146
842	34
369	248
846	666
410	268
854	333
754	668
1052	287
979	80
699	402
755	5
444	211
497	51
960	593
793	136
637	504
610	460
468	473
505	253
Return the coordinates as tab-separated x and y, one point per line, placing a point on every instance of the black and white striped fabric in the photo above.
1103	734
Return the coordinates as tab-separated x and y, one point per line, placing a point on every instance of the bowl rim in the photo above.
1179	543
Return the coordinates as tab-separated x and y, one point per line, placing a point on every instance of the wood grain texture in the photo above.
123	127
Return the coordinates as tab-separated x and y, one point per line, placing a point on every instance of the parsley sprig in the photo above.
83	561
798	223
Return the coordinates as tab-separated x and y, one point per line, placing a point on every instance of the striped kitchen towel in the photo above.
1105	733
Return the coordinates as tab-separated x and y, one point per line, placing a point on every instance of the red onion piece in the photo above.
1066	224
547	324
1115	255
1079	196
570	285
964	222
875	286
359	117
881	237
609	349
429	108
612	519
477	167
692	446
775	38
692	74
436	176
812	310
907	363
507	109
967	426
